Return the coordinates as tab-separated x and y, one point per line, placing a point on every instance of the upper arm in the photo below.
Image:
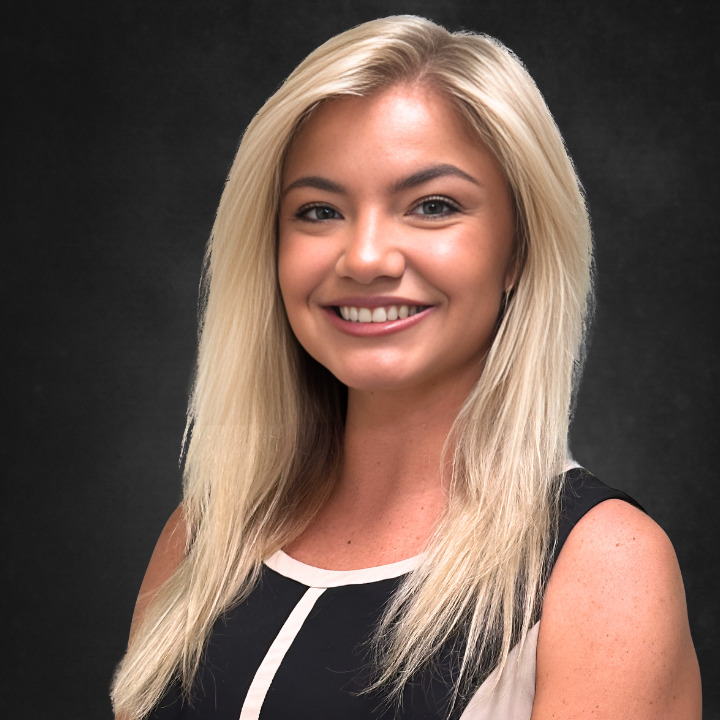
169	552
614	635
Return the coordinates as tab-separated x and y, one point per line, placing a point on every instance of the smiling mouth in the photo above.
387	313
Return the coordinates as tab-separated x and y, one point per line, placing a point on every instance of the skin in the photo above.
377	238
351	226
617	593
446	241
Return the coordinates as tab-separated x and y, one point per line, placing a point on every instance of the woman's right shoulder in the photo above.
168	554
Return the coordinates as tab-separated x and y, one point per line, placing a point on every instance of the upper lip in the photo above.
374	301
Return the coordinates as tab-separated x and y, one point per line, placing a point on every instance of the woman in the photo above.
378	497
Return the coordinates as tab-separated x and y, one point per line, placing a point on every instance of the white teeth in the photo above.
379	314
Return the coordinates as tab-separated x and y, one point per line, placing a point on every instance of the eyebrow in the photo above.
417	178
430	173
317	182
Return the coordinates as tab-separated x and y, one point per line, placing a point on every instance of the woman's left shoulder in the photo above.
614	634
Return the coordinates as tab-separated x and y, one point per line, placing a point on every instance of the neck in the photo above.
394	442
391	489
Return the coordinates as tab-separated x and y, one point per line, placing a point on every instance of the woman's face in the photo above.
396	237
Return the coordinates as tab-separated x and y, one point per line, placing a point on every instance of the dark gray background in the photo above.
120	122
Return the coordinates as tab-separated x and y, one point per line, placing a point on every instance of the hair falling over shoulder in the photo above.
265	422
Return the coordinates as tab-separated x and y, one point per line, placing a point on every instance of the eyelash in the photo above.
303	213
451	207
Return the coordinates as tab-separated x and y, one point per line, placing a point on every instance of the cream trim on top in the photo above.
315	577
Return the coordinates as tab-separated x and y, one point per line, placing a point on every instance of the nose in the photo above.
371	251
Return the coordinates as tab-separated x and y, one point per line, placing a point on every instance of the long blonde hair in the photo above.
265	422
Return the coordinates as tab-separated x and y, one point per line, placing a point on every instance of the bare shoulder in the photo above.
614	635
169	552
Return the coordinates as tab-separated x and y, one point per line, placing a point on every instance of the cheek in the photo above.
294	262
284	270
300	273
290	283
471	266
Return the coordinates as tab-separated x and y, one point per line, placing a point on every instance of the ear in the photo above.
512	272
516	264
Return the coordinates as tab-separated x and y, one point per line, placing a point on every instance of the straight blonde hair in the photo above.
265	422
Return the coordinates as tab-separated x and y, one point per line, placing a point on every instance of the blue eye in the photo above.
435	207
318	213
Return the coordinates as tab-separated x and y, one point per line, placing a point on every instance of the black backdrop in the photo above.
120	122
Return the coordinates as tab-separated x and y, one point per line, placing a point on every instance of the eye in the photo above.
317	213
438	207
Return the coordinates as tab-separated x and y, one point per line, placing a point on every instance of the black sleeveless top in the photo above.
295	648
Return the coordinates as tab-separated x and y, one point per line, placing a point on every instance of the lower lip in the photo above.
372	329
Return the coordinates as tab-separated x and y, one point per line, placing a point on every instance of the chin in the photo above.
372	383
373	377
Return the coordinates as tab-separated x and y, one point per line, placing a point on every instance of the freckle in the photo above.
349	541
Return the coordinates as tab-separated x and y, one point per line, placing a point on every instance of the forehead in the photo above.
401	125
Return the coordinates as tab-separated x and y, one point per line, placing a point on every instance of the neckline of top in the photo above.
316	577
